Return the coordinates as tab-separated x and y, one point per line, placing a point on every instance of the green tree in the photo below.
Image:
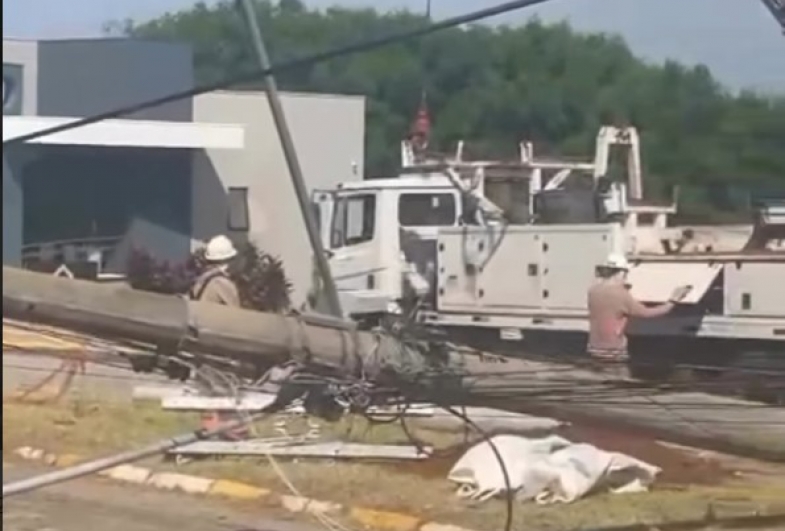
495	87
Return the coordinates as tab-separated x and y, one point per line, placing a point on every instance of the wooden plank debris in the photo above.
334	450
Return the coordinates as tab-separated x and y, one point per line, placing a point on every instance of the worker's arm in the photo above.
222	291
634	308
230	295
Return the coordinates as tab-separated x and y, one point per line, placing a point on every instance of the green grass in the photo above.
93	429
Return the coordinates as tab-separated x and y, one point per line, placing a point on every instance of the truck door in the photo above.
353	242
323	204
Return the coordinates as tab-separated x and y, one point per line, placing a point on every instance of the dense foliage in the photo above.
260	278
496	86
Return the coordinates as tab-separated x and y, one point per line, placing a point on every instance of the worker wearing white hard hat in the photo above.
220	249
215	285
611	305
617	262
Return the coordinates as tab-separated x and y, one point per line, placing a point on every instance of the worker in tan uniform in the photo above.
216	286
611	305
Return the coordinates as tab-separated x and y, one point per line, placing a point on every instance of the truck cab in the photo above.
373	231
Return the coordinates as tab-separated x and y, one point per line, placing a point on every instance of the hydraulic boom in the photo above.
777	8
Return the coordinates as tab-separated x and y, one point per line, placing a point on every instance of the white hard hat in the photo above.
219	249
617	261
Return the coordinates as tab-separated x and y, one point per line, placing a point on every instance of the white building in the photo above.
166	178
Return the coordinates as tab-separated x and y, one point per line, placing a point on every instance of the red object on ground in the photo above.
213	419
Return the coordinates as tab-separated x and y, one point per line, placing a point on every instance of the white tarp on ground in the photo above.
547	470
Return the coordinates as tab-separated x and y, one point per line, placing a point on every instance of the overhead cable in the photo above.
359	47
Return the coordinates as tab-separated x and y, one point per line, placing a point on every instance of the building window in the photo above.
239	219
354	221
426	210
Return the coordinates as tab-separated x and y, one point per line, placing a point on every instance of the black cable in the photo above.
285	66
410	390
509	496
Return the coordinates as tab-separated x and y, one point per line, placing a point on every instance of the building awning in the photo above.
656	281
128	133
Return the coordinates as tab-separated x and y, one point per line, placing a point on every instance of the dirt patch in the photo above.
678	467
435	467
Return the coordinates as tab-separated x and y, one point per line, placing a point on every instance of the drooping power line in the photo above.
360	47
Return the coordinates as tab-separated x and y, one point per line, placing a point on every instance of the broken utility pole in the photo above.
245	343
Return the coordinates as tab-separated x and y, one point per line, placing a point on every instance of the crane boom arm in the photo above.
777	8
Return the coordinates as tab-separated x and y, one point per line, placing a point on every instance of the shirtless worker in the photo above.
611	305
216	286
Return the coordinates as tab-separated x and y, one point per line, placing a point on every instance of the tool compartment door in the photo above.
755	289
655	281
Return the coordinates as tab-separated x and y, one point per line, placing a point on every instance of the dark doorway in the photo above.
73	193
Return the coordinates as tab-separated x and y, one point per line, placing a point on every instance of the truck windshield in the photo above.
426	210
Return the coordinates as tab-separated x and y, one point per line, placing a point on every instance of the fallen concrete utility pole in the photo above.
678	414
253	340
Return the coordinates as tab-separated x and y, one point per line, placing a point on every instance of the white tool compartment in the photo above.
755	289
521	268
570	256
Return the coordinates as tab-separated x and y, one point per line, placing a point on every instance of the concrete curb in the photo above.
377	520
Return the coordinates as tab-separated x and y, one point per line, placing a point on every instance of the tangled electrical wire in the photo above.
358	397
328	395
437	385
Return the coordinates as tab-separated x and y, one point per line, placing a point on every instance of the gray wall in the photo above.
328	132
20	60
14	160
23	55
85	77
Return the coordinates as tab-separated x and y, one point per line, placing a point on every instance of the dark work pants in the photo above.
614	365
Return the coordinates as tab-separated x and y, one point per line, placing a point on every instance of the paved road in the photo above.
31	352
107	383
95	504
